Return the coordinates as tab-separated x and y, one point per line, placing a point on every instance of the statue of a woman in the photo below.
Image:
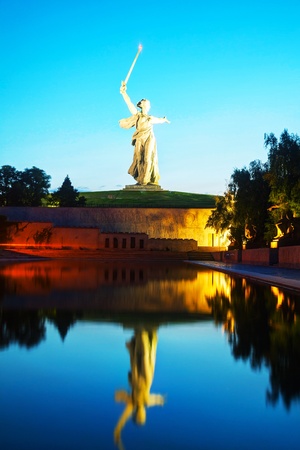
144	167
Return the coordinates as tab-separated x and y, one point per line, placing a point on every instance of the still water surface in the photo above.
125	356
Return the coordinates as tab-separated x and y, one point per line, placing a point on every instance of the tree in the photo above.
284	171
35	184
251	192
263	202
67	195
27	188
8	177
243	210
284	179
221	218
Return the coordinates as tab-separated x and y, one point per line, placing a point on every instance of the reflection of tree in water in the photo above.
142	350
63	320
264	332
25	328
253	306
285	353
28	328
2	287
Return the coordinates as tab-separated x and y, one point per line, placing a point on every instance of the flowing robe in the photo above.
144	167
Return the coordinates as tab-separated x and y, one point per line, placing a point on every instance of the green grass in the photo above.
148	199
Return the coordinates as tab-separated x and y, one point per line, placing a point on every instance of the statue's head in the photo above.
144	105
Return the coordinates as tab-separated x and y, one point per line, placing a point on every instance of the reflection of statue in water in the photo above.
144	167
142	350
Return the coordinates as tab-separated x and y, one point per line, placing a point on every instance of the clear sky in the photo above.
224	73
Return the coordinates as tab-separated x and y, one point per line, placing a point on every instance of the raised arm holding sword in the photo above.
144	167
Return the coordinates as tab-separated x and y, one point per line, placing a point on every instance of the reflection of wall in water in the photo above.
41	277
173	287
66	274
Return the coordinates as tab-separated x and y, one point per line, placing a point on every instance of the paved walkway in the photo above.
275	276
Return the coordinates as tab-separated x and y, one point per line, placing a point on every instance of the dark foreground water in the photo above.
106	356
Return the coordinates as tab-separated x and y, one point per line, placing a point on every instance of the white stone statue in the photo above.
144	167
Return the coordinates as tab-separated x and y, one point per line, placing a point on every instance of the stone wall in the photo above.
28	234
282	256
174	245
157	223
123	241
231	256
289	256
261	256
44	234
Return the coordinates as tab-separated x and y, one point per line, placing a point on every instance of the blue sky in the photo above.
224	73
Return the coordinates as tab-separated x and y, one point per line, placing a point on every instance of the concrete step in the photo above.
200	256
104	254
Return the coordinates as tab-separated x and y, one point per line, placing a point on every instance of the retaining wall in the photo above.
261	256
44	234
289	256
157	223
282	256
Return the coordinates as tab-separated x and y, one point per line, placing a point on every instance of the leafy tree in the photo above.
67	195
27	188
8	178
284	179
243	208
284	171
221	218
251	192
35	184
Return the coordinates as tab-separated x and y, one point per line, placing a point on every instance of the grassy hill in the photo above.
148	199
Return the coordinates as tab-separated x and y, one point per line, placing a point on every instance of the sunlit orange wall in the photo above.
167	223
45	235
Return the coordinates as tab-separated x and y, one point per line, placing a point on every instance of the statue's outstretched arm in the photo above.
126	98
122	396
159	120
156	400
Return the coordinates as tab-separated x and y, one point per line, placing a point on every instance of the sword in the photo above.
133	64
